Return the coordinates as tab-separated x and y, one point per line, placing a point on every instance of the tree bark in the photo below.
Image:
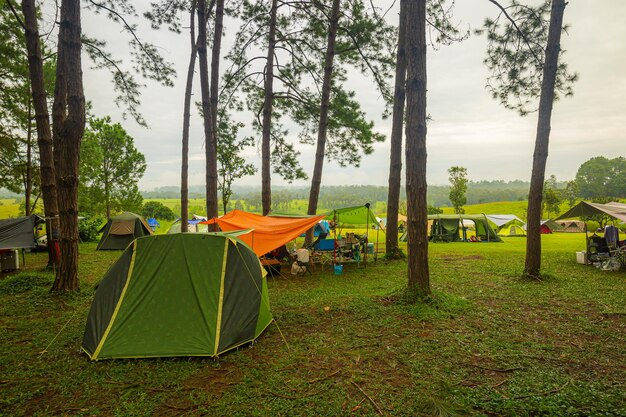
184	170
44	133
29	160
532	266
395	164
316	179
210	144
418	274
68	114
215	64
266	175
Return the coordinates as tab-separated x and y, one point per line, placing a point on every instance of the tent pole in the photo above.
367	229
376	253
336	220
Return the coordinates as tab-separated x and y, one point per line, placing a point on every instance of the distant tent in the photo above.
178	295
153	223
267	232
548	226
121	230
19	233
450	227
585	208
571	226
507	224
194	223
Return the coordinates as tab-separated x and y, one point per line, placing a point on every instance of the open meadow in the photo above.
490	344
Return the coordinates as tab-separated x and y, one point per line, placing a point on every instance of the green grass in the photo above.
489	343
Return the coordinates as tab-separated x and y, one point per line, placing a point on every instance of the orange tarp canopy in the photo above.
269	232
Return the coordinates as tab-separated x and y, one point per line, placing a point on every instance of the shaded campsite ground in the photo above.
491	344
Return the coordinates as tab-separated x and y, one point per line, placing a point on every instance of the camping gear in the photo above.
153	223
571	226
194	223
9	260
182	294
121	230
19	233
338	269
302	260
598	250
267	232
507	224
357	215
585	208
447	228
581	257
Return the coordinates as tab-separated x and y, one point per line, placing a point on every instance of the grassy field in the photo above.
489	344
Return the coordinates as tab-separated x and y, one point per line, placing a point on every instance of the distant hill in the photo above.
342	196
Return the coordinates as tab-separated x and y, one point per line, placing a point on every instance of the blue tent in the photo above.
153	223
322	227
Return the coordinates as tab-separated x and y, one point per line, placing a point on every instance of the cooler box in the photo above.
581	257
9	260
325	244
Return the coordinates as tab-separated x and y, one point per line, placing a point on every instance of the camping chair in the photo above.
302	261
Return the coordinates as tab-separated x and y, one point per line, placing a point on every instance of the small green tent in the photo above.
452	227
181	294
121	230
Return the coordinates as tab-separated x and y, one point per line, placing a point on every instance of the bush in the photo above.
88	228
157	210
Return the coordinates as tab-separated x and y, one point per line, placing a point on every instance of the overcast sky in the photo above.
468	127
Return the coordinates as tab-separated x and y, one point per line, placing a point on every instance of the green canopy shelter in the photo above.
451	227
182	294
357	215
121	230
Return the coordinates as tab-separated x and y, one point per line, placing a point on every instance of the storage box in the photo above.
370	248
9	260
338	269
581	257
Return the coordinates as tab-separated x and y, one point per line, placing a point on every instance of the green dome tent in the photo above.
121	230
178	295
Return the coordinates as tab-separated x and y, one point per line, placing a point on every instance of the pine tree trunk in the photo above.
68	114
29	161
316	179
44	134
532	267
266	175
418	275
395	165
184	170
210	144
215	62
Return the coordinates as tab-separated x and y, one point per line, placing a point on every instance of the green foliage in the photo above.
600	177
571	192
434	210
110	167
516	55
552	198
23	282
89	228
157	210
231	165
458	180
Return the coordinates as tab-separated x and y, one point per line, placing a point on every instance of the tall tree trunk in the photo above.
532	267
395	164
210	144
29	161
68	114
184	171
215	71
418	276
266	175
316	179
44	134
